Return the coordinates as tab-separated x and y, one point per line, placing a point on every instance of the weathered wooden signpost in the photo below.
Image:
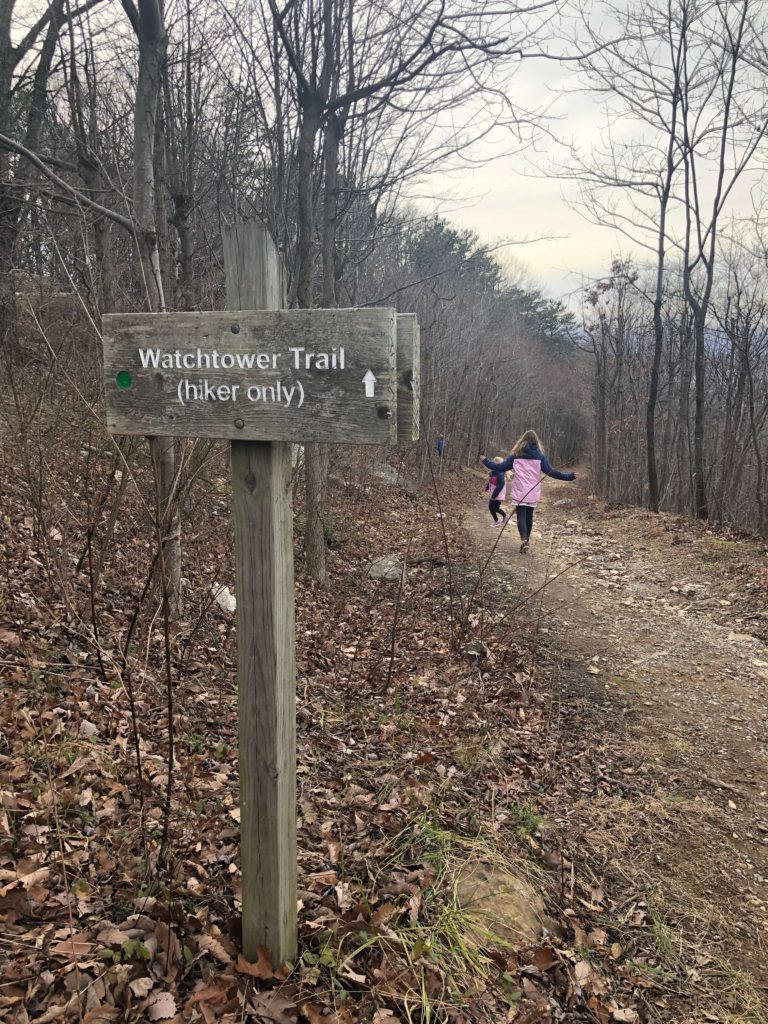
263	377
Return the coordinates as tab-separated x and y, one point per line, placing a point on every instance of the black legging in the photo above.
524	521
494	507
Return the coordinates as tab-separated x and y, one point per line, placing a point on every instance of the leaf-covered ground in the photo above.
439	730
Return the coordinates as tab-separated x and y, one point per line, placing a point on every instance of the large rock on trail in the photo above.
388	567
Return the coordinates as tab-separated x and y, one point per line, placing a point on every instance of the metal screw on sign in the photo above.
235	328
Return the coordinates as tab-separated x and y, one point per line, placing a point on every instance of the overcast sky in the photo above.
514	198
502	201
517	197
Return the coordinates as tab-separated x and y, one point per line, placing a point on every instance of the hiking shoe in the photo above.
524	547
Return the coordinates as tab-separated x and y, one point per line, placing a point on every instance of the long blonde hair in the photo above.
529	437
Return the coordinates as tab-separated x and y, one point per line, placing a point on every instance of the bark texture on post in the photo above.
263	514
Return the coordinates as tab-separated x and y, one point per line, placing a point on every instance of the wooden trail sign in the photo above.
263	377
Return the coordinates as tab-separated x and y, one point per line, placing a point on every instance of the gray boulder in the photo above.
388	567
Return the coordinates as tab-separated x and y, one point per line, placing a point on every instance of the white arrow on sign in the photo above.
370	382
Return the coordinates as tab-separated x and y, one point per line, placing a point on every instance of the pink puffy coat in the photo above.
526	484
493	483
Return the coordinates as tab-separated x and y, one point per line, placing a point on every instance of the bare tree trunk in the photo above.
332	135
705	251
302	284
684	455
89	166
182	209
701	508
10	202
762	509
315	457
90	172
731	467
162	224
658	324
8	215
671	427
152	47
148	25
601	428
180	143
316	461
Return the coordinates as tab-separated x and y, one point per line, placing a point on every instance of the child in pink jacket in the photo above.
530	463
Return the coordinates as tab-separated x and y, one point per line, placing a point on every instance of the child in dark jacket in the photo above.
529	463
497	489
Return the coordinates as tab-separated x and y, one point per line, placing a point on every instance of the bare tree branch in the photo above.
76	194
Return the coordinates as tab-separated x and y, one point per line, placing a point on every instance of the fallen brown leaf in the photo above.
261	969
161	1006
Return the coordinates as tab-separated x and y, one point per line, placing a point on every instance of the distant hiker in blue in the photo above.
440	446
529	462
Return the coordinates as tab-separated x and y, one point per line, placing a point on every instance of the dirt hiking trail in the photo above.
661	625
